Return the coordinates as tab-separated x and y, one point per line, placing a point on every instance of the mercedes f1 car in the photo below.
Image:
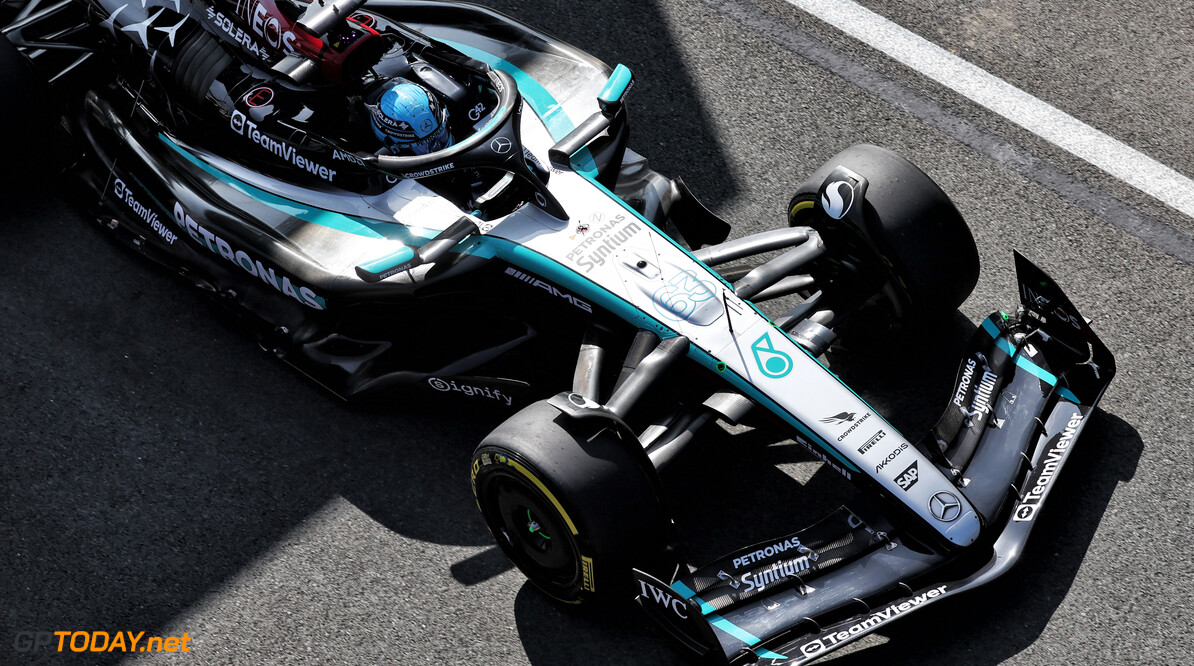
228	141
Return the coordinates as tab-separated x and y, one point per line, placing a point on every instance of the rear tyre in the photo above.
912	246
570	504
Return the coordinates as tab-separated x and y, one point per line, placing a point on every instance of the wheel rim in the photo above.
534	535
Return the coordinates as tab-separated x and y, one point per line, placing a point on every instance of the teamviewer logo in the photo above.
810	649
237	122
1025	513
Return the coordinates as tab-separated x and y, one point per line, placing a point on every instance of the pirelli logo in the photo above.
590	583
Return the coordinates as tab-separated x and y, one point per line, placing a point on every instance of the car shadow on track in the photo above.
152	453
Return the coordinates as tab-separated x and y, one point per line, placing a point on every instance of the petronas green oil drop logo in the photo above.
772	362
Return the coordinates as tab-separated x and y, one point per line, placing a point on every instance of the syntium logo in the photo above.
549	288
759	580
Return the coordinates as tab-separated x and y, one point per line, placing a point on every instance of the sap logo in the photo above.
664	598
908	477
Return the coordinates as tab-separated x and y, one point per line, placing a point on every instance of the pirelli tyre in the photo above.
904	242
570	505
30	121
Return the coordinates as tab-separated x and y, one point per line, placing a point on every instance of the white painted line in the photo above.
1046	121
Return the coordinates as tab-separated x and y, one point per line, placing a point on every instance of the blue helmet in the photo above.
409	119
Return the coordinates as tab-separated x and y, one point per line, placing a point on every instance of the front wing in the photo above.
1023	395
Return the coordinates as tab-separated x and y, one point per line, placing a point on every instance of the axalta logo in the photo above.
891	456
854	426
1052	460
150	217
241	258
446	385
964	382
776	548
601	242
664	598
759	580
286	152
549	288
866	446
772	362
833	638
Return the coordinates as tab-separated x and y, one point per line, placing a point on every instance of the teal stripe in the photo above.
993	330
1043	374
550	111
1026	363
733	629
768	654
356	226
684	590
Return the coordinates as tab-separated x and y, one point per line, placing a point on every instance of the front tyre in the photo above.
570	504
909	244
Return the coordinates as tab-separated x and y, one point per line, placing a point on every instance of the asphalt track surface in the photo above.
163	475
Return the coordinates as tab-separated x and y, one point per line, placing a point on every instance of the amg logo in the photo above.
908	477
871	442
549	288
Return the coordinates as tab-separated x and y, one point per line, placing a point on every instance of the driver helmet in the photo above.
409	119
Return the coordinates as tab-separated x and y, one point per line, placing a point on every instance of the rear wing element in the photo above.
1023	394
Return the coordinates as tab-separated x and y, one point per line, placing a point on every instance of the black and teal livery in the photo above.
241	158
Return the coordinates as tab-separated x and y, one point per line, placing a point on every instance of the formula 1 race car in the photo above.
230	142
